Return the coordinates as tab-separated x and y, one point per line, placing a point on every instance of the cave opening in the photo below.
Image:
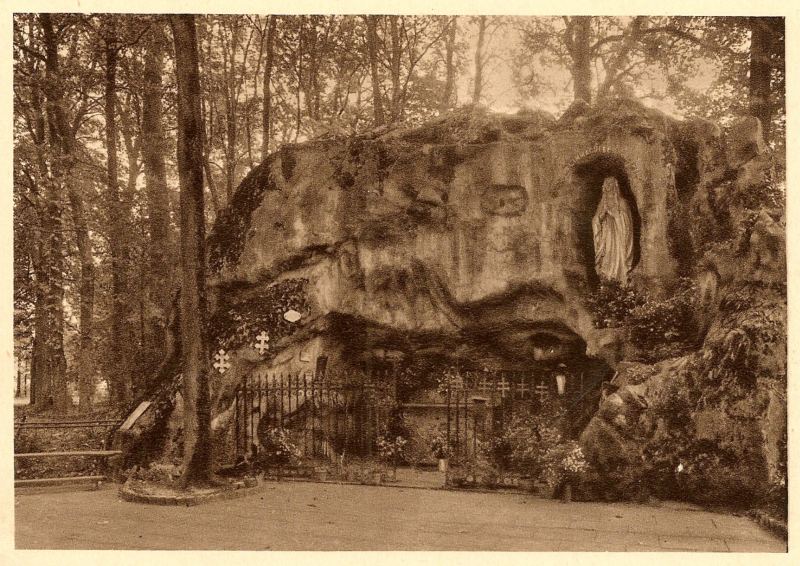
590	173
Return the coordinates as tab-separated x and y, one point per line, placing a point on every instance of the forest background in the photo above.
94	133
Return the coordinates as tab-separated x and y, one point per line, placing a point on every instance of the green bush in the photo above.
527	436
652	322
612	304
655	326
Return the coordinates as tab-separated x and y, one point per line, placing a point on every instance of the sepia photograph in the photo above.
398	282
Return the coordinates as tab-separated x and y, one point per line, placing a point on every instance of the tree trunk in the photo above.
85	359
48	364
761	73
372	47
299	108
231	133
196	395
450	68
119	231
477	87
581	59
396	57
312	81
154	148
266	114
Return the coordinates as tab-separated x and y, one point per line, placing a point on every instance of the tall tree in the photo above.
766	50
449	95
372	48
119	223
154	148
193	307
85	358
578	39
269	63
49	366
477	81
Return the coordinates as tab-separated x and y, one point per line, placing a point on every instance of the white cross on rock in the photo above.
262	342
222	364
504	386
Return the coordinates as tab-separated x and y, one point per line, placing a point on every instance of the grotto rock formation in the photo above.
711	425
470	239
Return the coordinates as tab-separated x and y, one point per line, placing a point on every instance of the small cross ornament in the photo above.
541	391
262	342
504	386
523	389
222	364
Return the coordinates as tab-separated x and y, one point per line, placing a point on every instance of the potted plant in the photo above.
442	450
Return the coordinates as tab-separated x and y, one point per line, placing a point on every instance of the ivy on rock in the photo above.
237	324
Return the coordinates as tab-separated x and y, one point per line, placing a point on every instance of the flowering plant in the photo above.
531	434
440	446
565	461
277	447
391	448
574	462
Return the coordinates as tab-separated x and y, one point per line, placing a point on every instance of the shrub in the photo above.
277	448
655	322
528	435
657	327
391	448
613	303
479	469
563	462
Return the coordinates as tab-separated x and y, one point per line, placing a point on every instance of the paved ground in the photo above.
309	516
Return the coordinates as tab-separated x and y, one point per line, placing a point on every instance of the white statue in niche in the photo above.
612	226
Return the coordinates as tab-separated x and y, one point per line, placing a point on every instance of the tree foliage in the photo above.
95	120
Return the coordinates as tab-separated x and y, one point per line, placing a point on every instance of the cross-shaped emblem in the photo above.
262	342
504	386
222	364
541	391
523	389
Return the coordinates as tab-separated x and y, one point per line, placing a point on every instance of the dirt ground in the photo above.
314	516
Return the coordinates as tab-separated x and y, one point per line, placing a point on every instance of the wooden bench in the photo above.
101	455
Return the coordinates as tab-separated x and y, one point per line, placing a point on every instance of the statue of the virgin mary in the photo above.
612	226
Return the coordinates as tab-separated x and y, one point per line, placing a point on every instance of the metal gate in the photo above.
324	416
481	403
